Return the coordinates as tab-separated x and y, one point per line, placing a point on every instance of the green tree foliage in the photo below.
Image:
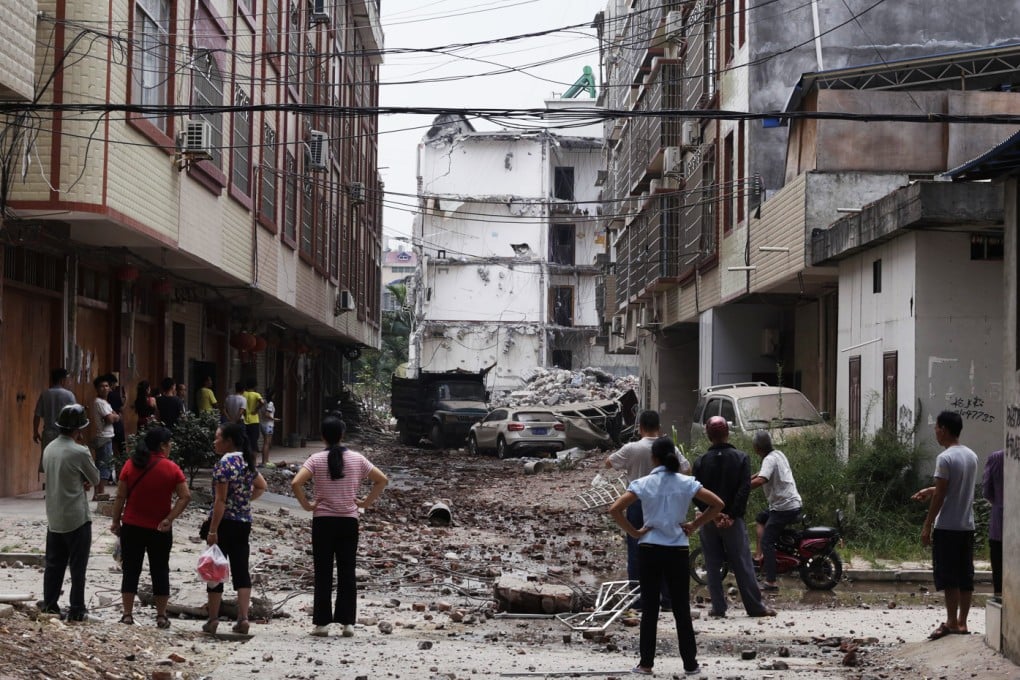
193	438
375	368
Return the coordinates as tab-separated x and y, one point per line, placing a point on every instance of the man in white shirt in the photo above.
104	417
784	503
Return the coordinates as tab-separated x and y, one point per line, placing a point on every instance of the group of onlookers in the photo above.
152	493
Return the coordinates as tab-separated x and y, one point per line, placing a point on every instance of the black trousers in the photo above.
65	550
135	543
233	540
671	564
334	539
995	554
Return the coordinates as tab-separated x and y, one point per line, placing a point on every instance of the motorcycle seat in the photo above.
818	532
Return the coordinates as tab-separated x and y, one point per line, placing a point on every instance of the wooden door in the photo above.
854	405
144	359
94	341
29	341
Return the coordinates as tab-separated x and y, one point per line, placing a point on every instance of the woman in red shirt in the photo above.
146	487
337	473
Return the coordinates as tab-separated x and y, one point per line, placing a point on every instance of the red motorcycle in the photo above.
809	550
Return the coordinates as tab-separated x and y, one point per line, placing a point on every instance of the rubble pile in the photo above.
553	386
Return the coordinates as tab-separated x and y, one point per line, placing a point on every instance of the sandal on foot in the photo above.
210	627
940	632
127	620
241	627
162	622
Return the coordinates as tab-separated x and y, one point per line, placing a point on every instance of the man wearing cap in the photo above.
726	472
70	473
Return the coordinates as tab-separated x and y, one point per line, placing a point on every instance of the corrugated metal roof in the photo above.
980	69
1002	159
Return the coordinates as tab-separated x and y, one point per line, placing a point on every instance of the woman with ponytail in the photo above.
145	489
236	483
337	474
665	497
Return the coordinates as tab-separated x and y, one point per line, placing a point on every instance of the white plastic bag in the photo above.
213	566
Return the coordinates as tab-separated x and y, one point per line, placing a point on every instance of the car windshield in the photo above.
535	417
786	409
461	391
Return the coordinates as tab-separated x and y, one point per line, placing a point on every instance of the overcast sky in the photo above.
435	23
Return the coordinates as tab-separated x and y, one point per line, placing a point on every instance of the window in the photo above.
854	405
562	358
985	247
207	90
150	67
271	26
563	186
241	145
267	209
561	305
293	47
726	190
876	276
728	413
889	391
291	201
307	217
561	244
729	22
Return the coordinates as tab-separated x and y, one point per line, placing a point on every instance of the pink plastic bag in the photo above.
213	566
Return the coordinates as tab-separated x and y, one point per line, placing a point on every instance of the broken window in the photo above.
561	244
985	247
563	187
561	305
562	358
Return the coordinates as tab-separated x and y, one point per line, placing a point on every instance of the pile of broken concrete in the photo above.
553	386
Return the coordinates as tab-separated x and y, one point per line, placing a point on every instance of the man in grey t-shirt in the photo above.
48	407
949	524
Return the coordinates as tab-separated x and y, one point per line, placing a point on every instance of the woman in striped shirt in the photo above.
336	474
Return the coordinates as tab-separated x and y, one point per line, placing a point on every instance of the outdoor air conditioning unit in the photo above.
357	193
316	150
344	302
317	13
197	139
691	132
618	324
673	162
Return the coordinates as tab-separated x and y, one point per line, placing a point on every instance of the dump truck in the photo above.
441	407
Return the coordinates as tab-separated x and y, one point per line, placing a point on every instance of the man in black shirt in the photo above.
168	404
726	472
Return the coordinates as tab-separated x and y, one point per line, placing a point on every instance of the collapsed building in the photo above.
507	240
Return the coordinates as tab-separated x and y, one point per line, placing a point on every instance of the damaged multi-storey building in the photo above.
507	240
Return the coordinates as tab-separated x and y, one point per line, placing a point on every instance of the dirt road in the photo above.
426	606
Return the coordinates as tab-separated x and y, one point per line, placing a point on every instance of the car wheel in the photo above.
436	435
473	445
502	451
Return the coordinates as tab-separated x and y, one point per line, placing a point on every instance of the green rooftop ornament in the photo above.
585	83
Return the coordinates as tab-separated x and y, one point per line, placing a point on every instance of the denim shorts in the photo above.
104	461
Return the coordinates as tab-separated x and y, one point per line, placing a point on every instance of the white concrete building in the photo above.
507	240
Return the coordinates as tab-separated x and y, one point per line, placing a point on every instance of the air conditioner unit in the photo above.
673	162
316	150
618	324
345	301
197	139
357	193
691	132
317	12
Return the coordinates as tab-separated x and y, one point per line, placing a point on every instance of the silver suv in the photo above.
751	406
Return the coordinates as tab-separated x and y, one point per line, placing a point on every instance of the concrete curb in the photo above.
904	575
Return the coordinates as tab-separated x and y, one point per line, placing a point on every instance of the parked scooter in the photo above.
809	550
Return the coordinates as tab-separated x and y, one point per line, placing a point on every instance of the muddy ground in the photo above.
426	605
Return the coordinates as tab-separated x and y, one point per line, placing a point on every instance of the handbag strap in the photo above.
140	478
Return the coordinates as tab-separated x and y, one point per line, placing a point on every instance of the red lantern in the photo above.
162	287
245	341
260	344
303	349
127	273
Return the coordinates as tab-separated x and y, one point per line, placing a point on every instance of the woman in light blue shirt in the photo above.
663	547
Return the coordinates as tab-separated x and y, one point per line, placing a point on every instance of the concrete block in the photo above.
993	625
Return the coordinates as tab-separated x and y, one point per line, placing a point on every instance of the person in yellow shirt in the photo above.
253	406
206	396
